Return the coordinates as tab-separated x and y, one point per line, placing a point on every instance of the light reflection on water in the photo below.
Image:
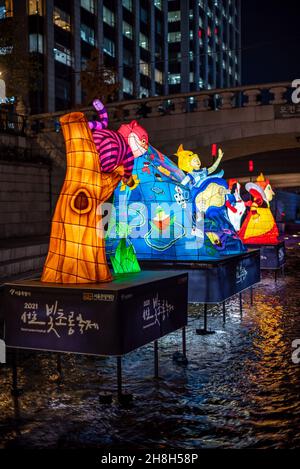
240	388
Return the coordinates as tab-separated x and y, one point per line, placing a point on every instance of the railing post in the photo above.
253	96
279	95
226	100
203	102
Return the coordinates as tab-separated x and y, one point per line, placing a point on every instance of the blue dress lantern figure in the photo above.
174	212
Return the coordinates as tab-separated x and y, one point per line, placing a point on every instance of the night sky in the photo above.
270	41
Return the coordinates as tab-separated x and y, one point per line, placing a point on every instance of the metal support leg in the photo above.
119	378
205	318
251	296
224	311
241	304
156	376
204	331
184	342
178	357
123	399
59	366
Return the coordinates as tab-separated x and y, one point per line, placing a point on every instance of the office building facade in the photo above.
157	47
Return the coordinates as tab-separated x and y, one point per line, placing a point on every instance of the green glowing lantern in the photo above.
124	260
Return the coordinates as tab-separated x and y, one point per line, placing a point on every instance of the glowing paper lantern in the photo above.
77	247
163	206
124	260
259	226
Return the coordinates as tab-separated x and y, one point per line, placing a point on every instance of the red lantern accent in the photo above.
251	166
214	150
200	33
216	30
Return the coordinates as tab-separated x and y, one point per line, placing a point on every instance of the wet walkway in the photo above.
239	390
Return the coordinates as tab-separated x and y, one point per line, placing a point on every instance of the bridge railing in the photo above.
12	123
197	101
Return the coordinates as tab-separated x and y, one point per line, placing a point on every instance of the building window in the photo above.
158	4
127	86
174	37
174	78
174	16
62	55
191	77
144	41
89	5
144	92
144	68
6	9
127	30
61	19
87	34
144	15
158	76
191	34
2	91
127	4
35	7
109	47
36	43
108	16
127	57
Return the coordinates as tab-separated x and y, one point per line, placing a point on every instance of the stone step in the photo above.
22	265
18	256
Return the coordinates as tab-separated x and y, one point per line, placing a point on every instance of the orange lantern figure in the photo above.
77	246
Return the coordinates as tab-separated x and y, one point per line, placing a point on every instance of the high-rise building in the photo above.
157	47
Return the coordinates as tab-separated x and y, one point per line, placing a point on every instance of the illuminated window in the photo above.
174	78
158	4
87	34
174	16
6	9
62	55
35	7
144	68
127	30
127	86
89	5
109	47
174	36
108	16
191	34
127	4
61	19
144	41
158	76
144	92
191	77
36	43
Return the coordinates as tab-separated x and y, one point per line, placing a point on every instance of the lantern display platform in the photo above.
215	281
272	256
107	319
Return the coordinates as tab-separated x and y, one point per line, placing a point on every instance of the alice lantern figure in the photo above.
190	163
